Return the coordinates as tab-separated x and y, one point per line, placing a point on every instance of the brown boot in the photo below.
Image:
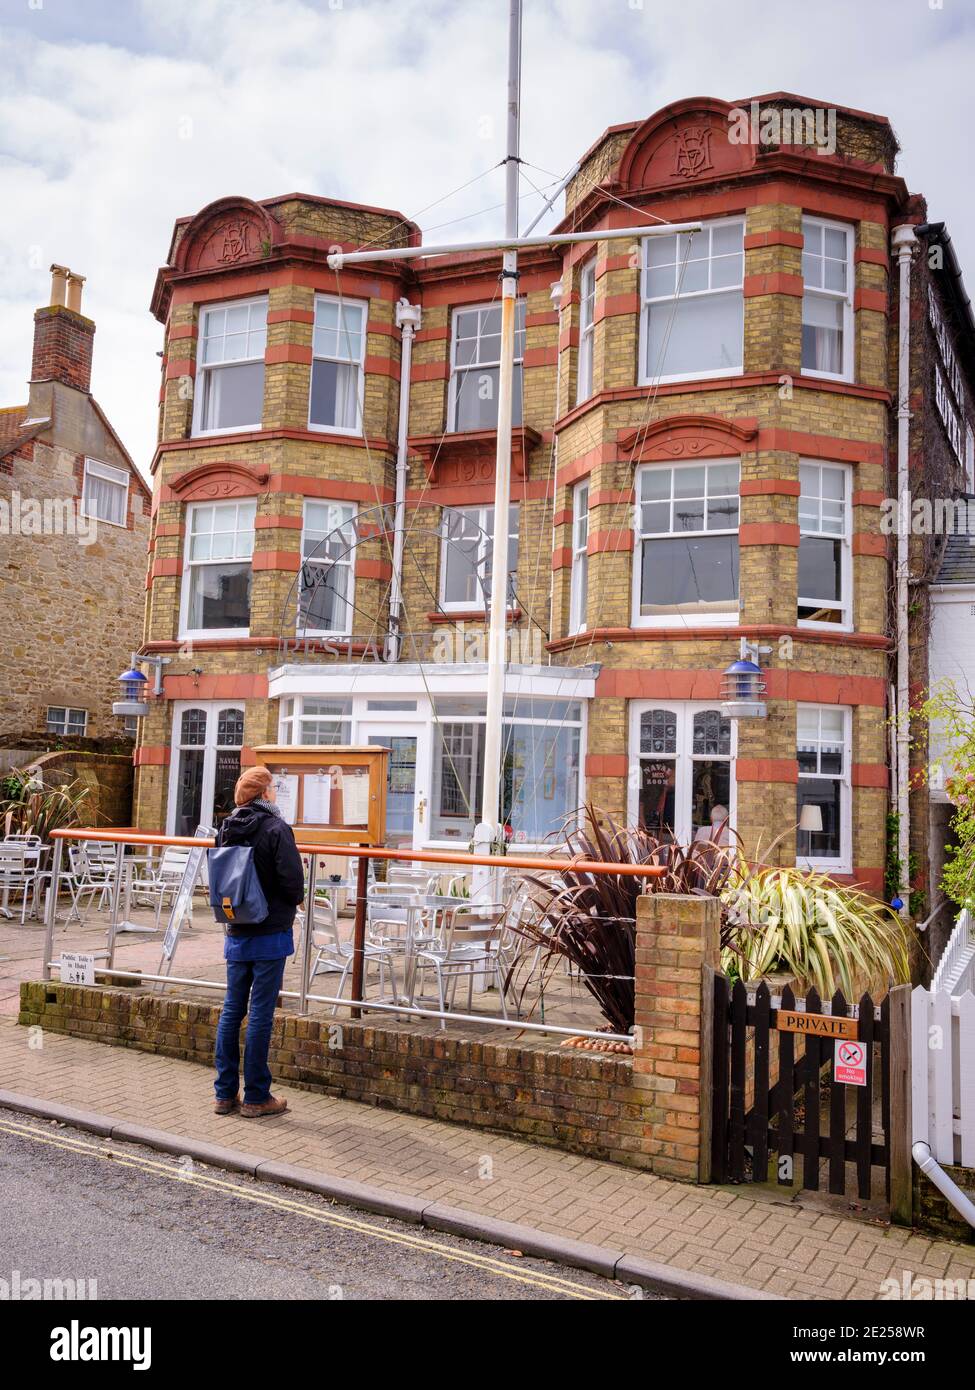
271	1106
226	1107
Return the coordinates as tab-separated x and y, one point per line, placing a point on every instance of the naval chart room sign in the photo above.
816	1025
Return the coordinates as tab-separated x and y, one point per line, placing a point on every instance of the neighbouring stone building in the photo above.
74	526
703	444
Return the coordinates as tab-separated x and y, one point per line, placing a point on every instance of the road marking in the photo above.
551	1282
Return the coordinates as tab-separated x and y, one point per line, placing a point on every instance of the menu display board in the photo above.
330	795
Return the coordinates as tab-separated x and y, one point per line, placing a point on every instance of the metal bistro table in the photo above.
437	905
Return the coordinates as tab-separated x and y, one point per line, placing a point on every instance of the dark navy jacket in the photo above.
276	860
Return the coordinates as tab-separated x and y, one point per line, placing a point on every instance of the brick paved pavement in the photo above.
804	1249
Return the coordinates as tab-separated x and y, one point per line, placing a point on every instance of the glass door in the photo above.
684	782
406	781
207	739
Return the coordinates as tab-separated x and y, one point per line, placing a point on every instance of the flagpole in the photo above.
498	601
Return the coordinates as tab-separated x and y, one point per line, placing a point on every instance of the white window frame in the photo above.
846	605
204	633
199	385
644	378
359	362
844	864
846	298
485	544
678	619
587	329
459	371
211	747
105	473
347	562
684	712
65	729
579	573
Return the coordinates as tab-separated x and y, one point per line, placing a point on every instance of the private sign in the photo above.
820	1025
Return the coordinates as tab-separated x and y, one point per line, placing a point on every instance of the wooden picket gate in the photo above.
774	1092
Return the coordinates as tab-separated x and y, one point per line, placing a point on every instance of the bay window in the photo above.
326	580
217	569
686	555
579	581
540	767
823	751
475	367
825	565
309	719
466	555
693	307
338	355
827	300
230	367
587	313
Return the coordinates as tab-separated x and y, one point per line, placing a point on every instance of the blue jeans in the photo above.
252	989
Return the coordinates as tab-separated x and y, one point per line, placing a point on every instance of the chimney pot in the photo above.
75	283
59	283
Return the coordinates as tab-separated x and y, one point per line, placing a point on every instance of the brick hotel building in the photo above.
688	469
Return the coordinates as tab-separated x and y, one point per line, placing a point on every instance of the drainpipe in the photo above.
904	243
408	321
932	1170
557	293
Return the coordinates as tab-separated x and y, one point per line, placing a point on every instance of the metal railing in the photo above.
365	855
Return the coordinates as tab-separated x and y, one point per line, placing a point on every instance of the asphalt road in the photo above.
147	1226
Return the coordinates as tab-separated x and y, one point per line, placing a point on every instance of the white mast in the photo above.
490	800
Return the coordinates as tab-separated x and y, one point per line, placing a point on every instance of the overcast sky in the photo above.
117	116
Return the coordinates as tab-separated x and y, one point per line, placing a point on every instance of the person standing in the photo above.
256	954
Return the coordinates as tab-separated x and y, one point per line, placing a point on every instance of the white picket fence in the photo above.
943	1052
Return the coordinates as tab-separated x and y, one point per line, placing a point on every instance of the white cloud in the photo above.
392	102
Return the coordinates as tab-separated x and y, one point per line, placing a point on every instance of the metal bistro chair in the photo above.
470	948
336	956
163	879
18	874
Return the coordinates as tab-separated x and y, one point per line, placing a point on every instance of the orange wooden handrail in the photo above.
508	861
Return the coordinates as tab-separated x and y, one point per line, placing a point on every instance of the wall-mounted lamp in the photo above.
134	687
743	685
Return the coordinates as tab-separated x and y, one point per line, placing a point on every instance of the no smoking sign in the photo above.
850	1062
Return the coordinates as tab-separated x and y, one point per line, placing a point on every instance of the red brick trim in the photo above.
215	481
431	335
870	775
287	352
151	755
372	569
768	533
541	357
766	770
429	371
332	489
866	543
875	300
867	641
868	499
232	687
180	366
618	540
866	255
686	437
608	263
542	319
769	487
773	237
616	306
562	558
826	446
290	316
607	497
607	765
776	282
569	338
806	687
278	522
276	560
166	565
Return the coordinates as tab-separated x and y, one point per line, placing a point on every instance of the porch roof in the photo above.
446	678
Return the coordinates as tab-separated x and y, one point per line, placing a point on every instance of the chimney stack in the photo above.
63	337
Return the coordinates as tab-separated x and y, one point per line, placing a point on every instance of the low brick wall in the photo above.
583	1102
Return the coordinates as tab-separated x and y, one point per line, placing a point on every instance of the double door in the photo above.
204	764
